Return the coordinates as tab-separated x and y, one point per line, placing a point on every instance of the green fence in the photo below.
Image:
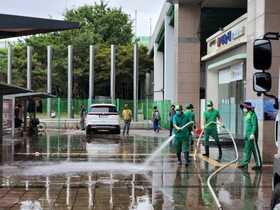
145	108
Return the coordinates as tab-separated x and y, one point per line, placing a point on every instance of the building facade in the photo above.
225	64
204	50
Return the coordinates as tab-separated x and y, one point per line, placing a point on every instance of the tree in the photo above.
100	26
124	70
103	24
3	65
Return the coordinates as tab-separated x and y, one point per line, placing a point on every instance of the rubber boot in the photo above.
220	150
206	151
179	158
186	155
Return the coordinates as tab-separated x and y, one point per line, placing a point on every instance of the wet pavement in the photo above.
67	169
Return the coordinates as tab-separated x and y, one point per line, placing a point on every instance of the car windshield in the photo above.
103	109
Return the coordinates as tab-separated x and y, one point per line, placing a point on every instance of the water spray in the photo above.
152	157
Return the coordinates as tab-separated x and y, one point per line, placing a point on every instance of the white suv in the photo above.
103	117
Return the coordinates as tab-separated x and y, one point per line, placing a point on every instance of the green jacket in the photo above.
211	116
251	123
180	121
191	115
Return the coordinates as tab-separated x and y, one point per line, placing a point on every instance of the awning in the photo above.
14	26
6	89
27	95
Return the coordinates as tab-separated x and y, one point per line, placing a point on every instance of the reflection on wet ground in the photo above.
71	170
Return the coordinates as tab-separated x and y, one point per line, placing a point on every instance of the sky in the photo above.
145	12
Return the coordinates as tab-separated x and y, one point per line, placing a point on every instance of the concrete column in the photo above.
149	88
49	82
29	67
169	61
113	72
262	16
70	80
187	55
135	82
10	57
158	71
91	72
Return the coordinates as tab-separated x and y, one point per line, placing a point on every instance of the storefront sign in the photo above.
236	72
239	32
228	37
224	39
213	42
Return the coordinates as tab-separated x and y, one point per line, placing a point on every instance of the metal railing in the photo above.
144	107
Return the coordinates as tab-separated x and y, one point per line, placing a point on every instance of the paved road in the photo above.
67	169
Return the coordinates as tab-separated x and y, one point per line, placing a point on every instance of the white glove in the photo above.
252	137
192	133
202	127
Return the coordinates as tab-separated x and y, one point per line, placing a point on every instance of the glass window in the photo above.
103	109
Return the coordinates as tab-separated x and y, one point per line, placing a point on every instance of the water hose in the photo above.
189	123
219	169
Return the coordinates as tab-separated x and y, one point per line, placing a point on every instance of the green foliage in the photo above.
124	69
100	26
3	65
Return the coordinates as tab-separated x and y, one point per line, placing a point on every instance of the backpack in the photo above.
157	116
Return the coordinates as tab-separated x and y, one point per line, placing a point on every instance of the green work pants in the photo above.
213	133
251	146
181	144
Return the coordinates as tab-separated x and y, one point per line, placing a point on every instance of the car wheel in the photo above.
88	131
118	131
275	198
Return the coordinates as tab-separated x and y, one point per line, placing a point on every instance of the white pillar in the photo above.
135	82
49	82
70	80
169	61
91	72
29	67
9	74
113	73
158	74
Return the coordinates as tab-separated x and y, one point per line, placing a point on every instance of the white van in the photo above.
103	117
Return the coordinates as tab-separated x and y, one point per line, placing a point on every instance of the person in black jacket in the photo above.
39	106
18	121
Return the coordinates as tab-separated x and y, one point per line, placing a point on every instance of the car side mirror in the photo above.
262	82
262	54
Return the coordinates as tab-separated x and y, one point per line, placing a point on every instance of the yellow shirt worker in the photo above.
127	119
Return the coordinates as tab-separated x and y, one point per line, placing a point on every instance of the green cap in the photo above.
178	107
209	103
188	106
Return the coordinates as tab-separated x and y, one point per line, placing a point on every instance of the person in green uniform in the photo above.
181	139
211	115
251	137
189	111
250	192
